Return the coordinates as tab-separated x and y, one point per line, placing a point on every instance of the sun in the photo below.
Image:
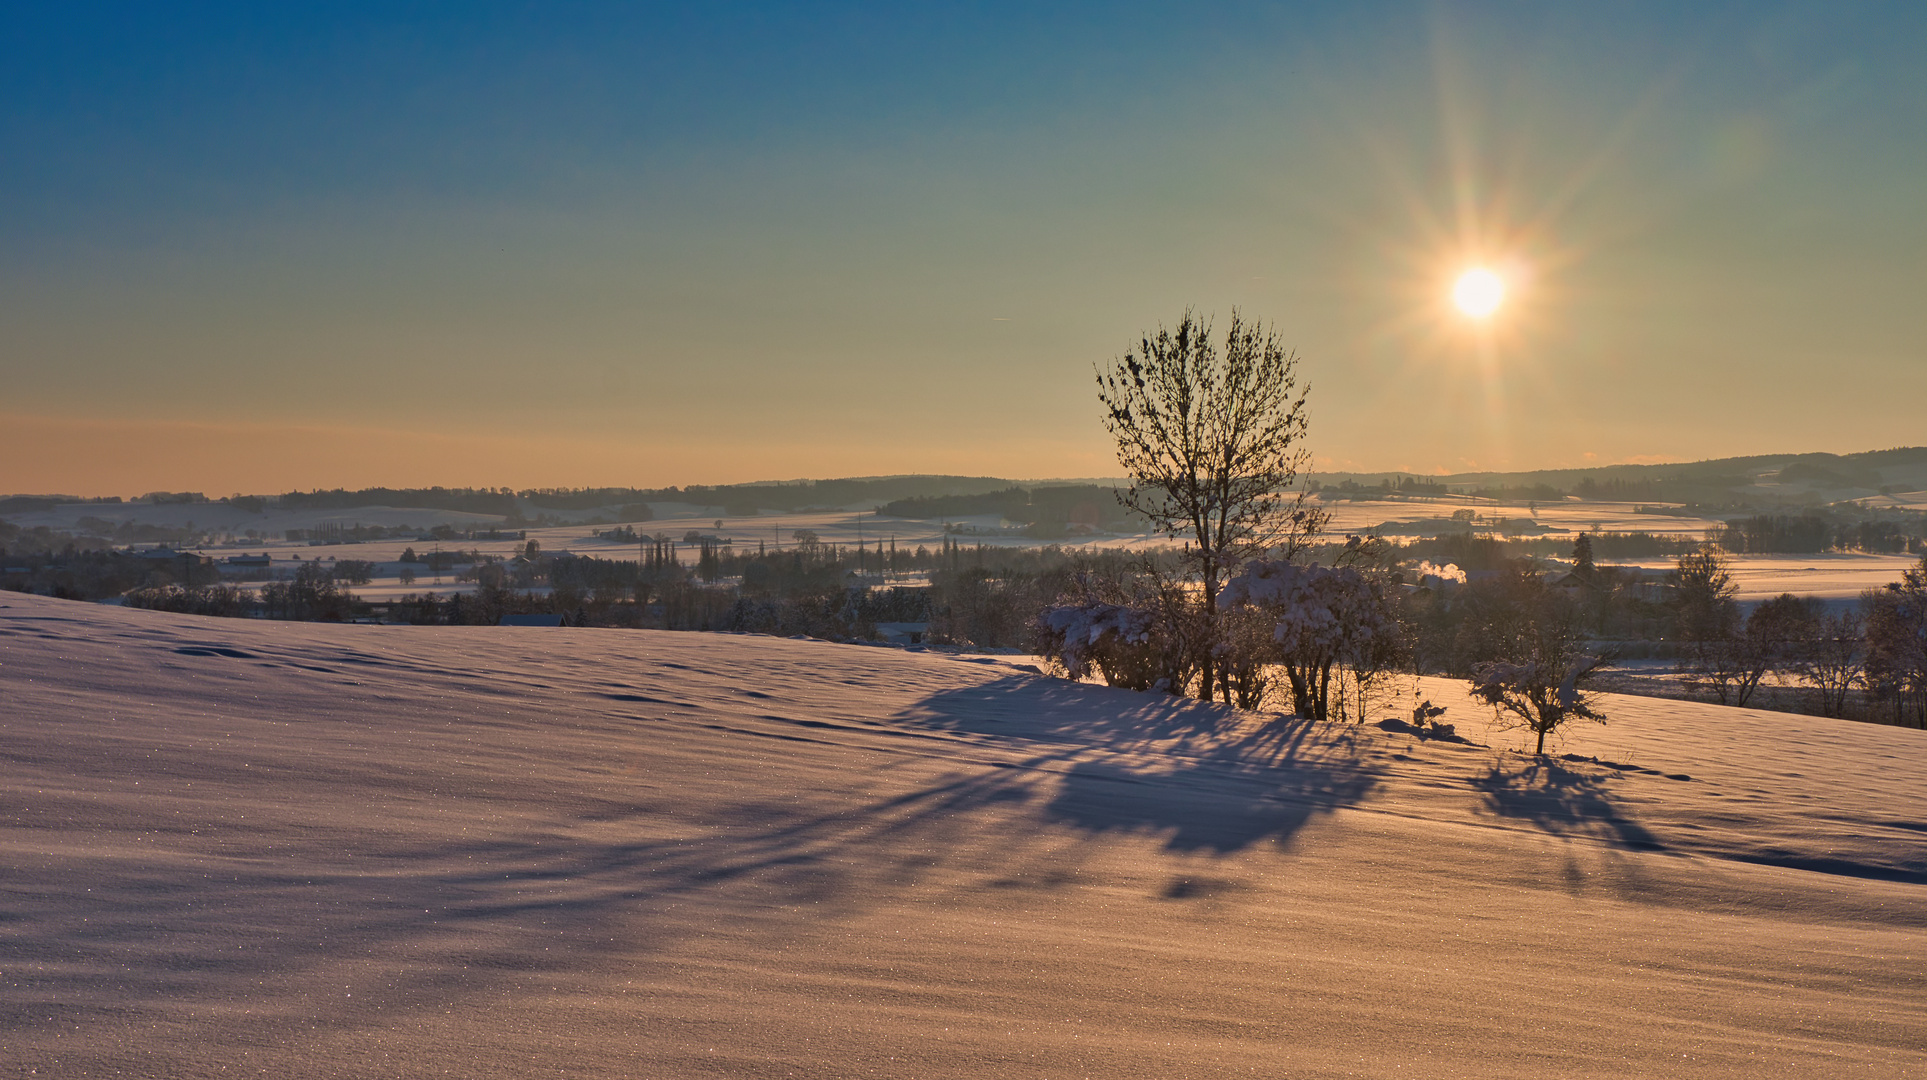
1479	292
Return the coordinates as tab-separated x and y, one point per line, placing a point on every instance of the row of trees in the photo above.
1327	637
1876	648
1802	534
312	594
1211	436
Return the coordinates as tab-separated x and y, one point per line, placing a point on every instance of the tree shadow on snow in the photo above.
1562	801
1041	709
1057	767
1195	810
1208	779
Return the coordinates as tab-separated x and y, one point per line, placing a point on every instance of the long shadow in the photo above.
1566	801
1082	762
1043	709
1182	806
1206	778
1562	801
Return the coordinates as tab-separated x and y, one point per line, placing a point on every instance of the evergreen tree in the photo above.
1582	563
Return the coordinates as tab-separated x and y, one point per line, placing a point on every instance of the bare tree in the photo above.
1708	624
1772	640
1835	661
1212	438
1541	697
1897	643
1704	590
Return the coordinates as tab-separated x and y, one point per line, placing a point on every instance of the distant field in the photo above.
1557	517
844	525
1834	576
1830	576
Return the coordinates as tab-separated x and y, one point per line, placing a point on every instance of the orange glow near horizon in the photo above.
90	457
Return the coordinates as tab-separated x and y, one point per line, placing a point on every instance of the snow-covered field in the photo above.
848	525
244	848
1837	576
1571	516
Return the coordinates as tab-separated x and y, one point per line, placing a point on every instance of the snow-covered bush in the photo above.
1126	645
1138	623
1329	622
1539	695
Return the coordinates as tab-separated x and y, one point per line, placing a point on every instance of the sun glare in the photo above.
1479	292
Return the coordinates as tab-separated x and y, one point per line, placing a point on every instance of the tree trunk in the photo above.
1207	665
1300	690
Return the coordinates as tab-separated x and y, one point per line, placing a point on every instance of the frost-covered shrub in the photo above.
1329	623
1121	643
1247	654
1539	695
1140	624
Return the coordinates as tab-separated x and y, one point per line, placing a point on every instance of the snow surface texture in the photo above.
240	848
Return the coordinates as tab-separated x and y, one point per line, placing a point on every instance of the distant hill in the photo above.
1760	481
732	498
1764	481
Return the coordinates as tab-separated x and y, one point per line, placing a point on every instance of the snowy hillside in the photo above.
247	848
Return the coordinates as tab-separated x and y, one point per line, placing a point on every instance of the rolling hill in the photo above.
245	848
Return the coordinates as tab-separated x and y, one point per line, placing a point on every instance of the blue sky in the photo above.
274	246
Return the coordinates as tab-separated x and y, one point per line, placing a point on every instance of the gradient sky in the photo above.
276	246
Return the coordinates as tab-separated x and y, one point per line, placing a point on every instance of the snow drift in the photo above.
343	851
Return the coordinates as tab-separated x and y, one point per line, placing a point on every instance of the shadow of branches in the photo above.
1563	801
1054	768
1206	778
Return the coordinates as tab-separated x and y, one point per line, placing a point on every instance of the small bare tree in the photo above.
1539	695
1770	640
1896	633
1212	439
1835	660
1708	624
1540	683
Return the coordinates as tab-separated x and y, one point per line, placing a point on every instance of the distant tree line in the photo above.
1322	633
1867	660
736	499
1046	510
1761	534
498	501
1805	534
976	595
